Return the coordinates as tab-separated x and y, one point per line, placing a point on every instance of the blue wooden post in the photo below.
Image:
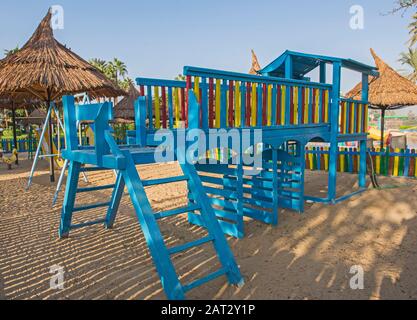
334	131
322	72
363	146
140	121
170	108
288	88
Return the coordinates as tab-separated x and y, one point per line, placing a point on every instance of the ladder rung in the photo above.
204	280
174	212
88	224
91	206
92	169
89	189
190	245
148	183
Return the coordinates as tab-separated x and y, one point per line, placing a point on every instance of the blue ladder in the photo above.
107	155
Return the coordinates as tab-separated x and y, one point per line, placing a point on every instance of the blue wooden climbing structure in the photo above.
107	155
284	103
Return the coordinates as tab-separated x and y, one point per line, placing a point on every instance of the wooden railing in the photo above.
235	100
353	117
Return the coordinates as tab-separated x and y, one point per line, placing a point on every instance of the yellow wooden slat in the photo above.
326	104
238	105
396	162
295	100
197	88
316	106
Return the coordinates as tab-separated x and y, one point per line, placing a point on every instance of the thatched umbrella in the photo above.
255	64
48	70
389	91
124	111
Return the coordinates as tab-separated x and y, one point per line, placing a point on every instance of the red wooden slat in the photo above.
183	108
343	112
188	88
313	105
164	107
142	91
292	105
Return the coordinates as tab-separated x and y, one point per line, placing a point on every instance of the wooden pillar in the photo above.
334	128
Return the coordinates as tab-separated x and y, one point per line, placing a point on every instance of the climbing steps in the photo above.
123	161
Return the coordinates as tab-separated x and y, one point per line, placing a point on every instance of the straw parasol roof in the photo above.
124	111
48	70
36	117
389	91
255	64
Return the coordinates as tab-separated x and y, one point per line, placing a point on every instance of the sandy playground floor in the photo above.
307	256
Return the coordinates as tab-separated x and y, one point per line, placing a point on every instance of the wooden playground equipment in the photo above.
289	109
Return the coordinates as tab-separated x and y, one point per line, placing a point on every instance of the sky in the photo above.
158	38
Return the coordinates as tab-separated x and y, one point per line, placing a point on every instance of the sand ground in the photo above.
308	256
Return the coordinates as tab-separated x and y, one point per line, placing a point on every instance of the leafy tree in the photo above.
409	59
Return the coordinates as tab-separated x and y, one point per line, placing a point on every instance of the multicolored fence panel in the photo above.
166	103
23	145
387	162
353	117
235	100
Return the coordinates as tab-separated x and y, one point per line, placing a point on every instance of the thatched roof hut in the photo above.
48	70
255	64
36	117
389	91
124	111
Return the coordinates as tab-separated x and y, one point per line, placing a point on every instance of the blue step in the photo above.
90	189
91	206
87	224
148	183
92	169
204	280
190	245
174	212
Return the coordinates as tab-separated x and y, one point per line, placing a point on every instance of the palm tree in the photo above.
413	30
11	51
126	83
99	64
410	59
119	67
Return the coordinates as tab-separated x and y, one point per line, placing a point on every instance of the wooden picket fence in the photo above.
387	162
23	145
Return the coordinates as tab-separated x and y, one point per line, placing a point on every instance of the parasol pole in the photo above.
382	126
14	130
51	151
